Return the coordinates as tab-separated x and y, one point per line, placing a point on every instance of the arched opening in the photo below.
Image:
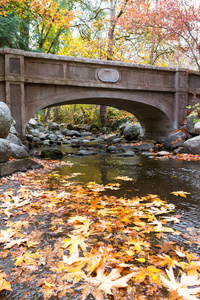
154	115
86	115
61	124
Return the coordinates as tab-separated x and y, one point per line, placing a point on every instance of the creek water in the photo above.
159	176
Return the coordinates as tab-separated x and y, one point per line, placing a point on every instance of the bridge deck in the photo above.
158	96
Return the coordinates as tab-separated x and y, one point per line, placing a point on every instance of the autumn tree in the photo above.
38	24
173	24
35	25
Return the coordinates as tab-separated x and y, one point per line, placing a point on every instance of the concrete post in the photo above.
14	78
181	96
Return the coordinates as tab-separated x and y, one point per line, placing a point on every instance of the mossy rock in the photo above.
51	153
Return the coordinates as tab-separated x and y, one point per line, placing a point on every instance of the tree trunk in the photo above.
25	32
55	113
111	37
103	115
47	114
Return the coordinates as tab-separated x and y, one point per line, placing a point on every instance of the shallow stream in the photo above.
159	176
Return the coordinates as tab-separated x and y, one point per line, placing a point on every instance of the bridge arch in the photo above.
154	117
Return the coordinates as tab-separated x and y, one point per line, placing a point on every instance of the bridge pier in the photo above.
181	97
15	89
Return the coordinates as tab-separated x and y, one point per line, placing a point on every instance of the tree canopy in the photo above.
141	31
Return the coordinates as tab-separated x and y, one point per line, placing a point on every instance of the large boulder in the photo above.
110	138
68	132
54	126
18	165
123	126
33	123
131	132
5	120
197	127
190	123
40	127
12	138
192	146
143	147
18	151
12	128
51	153
5	150
175	139
34	132
52	137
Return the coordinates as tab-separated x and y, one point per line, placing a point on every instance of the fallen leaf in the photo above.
185	288
180	193
113	279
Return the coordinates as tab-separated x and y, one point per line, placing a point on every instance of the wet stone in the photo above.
5	120
51	153
52	137
5	150
18	151
112	149
163	153
127	154
85	152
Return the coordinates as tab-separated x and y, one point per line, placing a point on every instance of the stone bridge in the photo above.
156	96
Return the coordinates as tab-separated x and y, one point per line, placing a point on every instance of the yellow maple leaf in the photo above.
4	285
163	260
74	242
125	178
151	272
19	260
180	193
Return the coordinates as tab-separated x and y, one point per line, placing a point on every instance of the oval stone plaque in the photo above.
108	75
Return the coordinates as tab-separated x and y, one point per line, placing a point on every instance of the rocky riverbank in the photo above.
126	142
13	153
